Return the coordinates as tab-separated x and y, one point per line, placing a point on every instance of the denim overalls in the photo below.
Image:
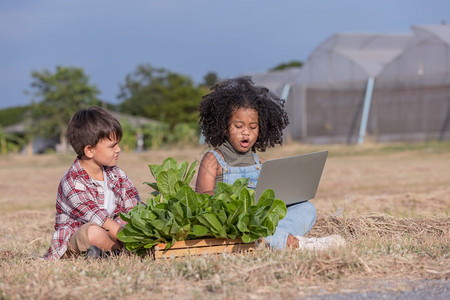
300	218
230	174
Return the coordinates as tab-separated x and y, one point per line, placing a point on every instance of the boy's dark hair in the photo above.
89	126
229	95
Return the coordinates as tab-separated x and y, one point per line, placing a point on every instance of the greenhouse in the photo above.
357	86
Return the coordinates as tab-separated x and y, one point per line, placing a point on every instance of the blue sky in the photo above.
109	38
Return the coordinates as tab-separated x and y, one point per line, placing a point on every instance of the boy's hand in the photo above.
113	227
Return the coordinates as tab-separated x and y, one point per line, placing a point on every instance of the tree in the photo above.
210	79
57	97
284	66
10	142
161	95
13	115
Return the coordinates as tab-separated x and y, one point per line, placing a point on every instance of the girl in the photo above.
237	118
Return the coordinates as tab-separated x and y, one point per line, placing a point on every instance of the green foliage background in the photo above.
161	95
155	93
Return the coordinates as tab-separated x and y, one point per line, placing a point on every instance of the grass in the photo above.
378	245
390	203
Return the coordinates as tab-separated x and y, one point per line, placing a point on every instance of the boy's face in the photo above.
106	152
243	130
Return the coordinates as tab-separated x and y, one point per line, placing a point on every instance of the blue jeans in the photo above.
299	220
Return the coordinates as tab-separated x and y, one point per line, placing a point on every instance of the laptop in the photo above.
293	179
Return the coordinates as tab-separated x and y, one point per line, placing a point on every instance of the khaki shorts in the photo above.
79	241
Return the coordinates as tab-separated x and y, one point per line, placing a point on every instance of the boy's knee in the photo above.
80	240
96	232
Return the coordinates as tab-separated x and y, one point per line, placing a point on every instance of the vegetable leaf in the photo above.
176	212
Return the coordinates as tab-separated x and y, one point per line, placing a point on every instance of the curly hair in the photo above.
227	96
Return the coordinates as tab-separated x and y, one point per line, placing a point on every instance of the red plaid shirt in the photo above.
80	200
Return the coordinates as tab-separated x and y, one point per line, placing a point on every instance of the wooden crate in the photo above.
202	246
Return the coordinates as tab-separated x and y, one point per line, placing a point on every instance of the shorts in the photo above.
79	241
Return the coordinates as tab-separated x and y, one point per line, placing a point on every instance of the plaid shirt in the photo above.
80	200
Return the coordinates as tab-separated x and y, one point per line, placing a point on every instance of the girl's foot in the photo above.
292	241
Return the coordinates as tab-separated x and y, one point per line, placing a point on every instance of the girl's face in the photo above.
243	130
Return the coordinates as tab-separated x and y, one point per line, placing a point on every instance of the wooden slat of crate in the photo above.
201	246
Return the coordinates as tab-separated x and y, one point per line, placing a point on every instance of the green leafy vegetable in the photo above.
176	212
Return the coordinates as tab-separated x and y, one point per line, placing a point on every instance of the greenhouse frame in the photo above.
356	87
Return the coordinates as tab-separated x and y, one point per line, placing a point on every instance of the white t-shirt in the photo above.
109	202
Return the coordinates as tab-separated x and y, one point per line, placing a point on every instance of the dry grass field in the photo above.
389	201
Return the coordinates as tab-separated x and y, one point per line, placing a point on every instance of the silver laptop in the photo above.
293	179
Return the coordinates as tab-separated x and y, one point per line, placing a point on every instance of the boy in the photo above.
93	191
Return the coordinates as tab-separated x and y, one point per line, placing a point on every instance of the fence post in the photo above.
366	109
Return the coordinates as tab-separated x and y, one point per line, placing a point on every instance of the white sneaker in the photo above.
320	244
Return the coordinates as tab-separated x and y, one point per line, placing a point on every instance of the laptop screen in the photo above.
293	179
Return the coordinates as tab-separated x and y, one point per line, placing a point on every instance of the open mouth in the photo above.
245	143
